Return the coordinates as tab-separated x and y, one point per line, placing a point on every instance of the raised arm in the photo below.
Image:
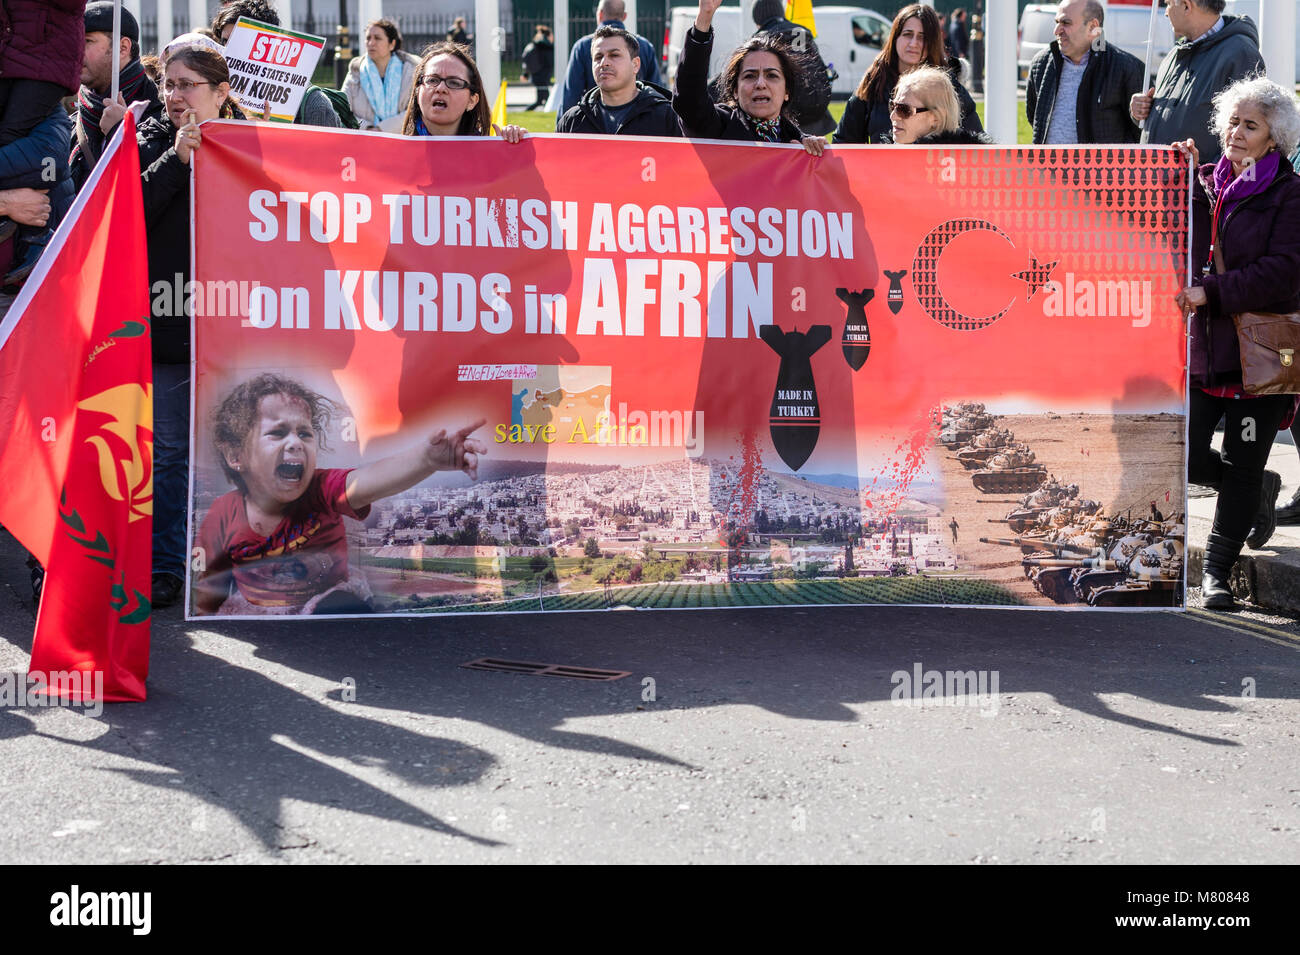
392	475
704	16
691	97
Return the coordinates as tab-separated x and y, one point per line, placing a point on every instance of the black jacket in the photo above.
701	117
958	137
166	186
864	122
1260	241
539	62
651	115
1101	112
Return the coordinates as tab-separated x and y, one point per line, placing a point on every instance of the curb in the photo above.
1267	579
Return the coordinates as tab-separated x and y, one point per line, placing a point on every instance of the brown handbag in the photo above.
1269	343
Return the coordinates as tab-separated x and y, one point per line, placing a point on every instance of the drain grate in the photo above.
545	669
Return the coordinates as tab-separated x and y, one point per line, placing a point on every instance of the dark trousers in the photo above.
171	462
1238	472
24	105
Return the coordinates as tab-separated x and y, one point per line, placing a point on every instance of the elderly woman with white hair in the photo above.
1246	248
925	111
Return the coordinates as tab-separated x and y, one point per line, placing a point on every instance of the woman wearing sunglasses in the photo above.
195	88
915	41
925	111
449	99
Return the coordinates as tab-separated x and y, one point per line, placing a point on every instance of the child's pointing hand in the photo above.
457	451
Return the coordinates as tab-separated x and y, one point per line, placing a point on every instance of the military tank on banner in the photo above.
1060	523
1052	494
961	408
1154	576
986	444
1052	558
958	431
1010	471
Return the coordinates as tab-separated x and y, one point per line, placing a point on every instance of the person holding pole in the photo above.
196	89
1211	53
96	117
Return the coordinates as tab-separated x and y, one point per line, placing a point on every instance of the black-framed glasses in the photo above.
451	82
184	87
905	111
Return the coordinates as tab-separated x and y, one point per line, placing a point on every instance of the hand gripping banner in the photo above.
587	372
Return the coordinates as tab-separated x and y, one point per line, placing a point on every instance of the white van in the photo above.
1126	25
847	37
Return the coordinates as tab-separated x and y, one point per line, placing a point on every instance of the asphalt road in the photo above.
772	737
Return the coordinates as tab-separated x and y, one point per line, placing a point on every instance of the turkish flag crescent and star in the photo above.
76	407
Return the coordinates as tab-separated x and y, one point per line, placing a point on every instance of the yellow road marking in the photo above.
1249	627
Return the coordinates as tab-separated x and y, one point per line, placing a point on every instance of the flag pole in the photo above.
1191	197
117	45
1151	49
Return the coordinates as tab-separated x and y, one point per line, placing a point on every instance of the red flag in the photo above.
76	404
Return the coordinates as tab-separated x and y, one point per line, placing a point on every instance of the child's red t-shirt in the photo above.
305	555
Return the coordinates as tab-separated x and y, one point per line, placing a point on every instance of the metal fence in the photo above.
419	30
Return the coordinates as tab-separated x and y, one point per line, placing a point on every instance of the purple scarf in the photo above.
1232	190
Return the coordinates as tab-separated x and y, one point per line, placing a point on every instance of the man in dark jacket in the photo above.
1080	86
539	65
813	115
90	128
578	79
1211	53
958	38
619	104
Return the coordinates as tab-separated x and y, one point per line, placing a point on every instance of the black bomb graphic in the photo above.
795	413
856	340
895	298
925	274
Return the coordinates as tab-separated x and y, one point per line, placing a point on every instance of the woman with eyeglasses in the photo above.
379	84
925	111
195	88
915	41
449	98
760	84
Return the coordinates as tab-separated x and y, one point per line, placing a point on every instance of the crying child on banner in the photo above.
276	544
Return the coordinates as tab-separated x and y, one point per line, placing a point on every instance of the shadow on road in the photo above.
250	715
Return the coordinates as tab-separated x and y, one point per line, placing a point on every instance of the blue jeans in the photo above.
171	462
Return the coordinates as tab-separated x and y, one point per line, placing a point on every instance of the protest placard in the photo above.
271	67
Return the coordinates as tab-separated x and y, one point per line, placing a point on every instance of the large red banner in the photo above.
708	374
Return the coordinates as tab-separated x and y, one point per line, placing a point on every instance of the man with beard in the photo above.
619	104
96	118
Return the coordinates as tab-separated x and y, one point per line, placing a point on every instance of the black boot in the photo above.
1220	554
1266	516
1290	514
